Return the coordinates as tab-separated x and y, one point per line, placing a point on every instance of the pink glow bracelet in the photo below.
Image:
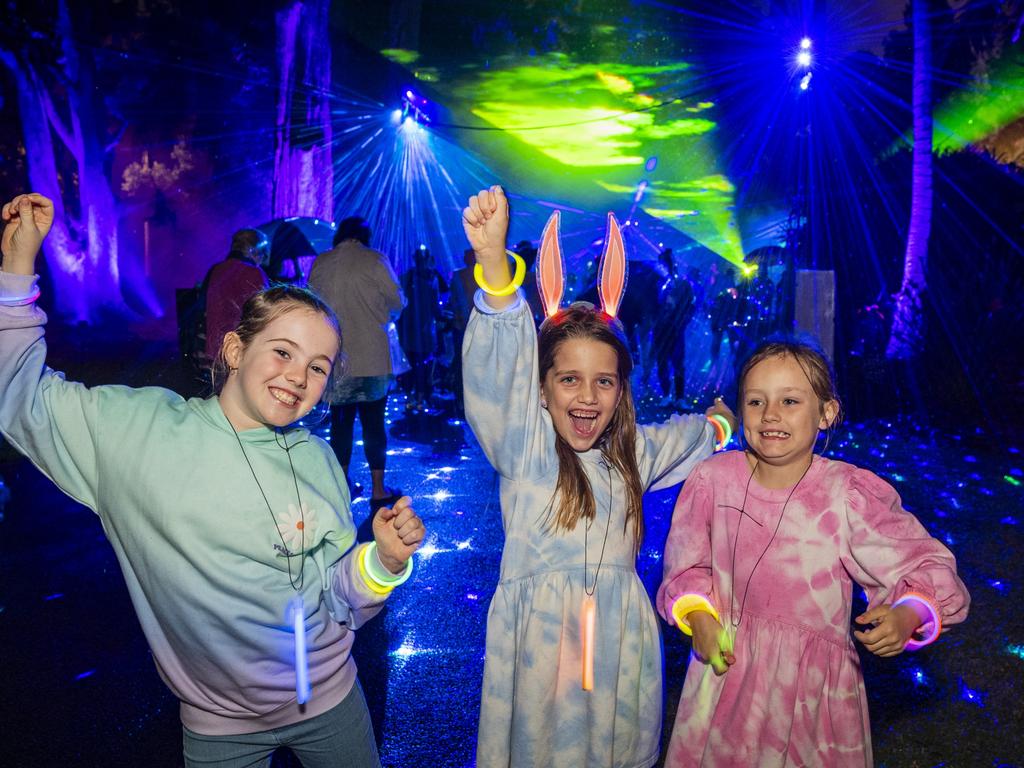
935	622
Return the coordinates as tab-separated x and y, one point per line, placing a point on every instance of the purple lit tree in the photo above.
58	101
906	338
303	170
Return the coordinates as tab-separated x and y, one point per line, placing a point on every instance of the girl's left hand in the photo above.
893	628
398	532
719	407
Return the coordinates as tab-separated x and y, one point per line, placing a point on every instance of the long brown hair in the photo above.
617	443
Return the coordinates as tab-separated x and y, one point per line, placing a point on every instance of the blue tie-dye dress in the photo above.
534	711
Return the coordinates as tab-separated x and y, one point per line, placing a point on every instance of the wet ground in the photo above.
79	687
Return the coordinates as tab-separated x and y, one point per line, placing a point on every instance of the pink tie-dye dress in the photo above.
795	695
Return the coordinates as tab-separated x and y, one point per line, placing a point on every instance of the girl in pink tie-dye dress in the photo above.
760	562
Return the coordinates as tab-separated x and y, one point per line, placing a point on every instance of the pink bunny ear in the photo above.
611	275
550	270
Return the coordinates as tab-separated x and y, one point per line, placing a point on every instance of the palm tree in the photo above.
907	335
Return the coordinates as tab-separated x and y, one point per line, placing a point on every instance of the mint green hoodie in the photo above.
198	547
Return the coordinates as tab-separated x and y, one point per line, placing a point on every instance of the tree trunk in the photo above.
82	249
62	252
96	200
906	339
303	171
97	206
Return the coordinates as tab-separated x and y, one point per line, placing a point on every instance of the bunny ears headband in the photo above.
611	271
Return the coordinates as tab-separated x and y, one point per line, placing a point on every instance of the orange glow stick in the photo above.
588	615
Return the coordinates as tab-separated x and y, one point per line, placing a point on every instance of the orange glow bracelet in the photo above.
723	431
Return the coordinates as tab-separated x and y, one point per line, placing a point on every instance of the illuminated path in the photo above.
79	687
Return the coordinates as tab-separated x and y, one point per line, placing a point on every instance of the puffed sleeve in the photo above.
670	450
891	555
688	548
501	382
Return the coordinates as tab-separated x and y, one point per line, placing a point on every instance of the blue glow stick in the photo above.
302	690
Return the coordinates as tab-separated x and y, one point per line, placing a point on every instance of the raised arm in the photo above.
501	376
670	450
485	221
51	421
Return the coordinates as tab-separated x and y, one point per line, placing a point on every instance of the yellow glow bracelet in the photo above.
687	604
376	571
371	584
512	287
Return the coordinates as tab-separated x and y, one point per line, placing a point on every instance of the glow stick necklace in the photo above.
295	611
588	611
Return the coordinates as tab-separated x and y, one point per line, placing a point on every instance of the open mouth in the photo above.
774	434
285	398
584	423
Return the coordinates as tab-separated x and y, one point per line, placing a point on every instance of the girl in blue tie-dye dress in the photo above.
573	672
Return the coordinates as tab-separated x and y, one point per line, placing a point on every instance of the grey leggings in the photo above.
342	736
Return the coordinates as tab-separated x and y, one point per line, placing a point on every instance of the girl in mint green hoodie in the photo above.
232	528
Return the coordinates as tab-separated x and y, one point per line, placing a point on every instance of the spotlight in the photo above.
805	44
415	107
804	58
396	116
805	82
408	121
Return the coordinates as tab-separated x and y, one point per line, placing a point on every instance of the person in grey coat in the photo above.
359	284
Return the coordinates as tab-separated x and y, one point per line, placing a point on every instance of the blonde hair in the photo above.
815	365
617	443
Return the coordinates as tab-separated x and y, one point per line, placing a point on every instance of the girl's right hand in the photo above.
711	643
28	219
485	220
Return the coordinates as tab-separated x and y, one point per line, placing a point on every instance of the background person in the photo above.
359	284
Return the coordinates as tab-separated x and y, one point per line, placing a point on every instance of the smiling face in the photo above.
781	413
281	373
582	390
